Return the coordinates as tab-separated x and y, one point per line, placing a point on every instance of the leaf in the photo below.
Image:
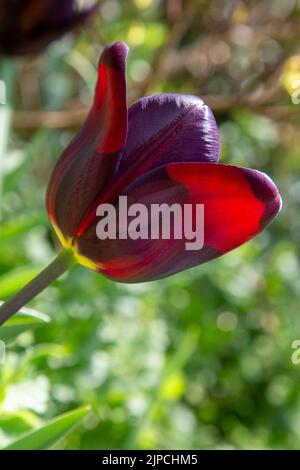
14	280
13	424
32	149
48	435
26	319
18	227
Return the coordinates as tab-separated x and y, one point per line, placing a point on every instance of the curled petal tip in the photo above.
88	163
114	55
266	191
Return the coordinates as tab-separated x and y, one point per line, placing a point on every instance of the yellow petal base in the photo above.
70	245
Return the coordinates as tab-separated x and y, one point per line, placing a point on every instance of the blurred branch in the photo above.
256	88
73	118
50	119
176	34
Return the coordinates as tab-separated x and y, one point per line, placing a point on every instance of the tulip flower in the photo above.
164	149
28	26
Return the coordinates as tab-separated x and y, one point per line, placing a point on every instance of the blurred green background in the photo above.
198	360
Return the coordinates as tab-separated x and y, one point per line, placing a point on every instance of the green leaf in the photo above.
13	424
51	433
18	227
26	319
14	280
32	149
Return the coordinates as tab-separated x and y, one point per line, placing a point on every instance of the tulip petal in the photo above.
89	162
162	129
169	128
238	204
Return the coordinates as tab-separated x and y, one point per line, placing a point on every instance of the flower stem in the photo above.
55	269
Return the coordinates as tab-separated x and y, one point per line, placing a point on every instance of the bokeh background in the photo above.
199	360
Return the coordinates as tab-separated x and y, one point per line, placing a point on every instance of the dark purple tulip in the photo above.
164	149
28	26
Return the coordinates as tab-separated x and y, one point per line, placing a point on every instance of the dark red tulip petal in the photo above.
166	129
86	167
238	203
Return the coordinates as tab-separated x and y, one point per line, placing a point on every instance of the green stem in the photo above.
55	269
